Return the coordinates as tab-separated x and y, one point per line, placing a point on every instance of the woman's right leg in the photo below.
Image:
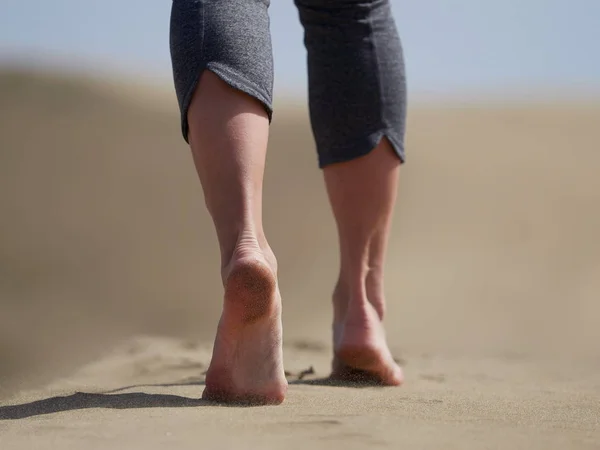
222	64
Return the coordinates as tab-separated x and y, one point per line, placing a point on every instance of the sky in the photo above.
451	46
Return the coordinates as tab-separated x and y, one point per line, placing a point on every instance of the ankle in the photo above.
340	299
349	296
357	292
248	246
375	290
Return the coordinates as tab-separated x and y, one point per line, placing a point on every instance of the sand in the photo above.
109	287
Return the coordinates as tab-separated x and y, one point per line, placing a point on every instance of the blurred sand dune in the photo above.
494	265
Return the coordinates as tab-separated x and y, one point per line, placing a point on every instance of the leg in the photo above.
227	127
362	193
358	107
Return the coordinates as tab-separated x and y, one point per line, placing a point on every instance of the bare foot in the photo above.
361	353
247	362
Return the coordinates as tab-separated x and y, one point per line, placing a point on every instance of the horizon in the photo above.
513	50
119	82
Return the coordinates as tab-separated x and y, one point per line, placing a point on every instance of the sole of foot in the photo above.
247	362
361	352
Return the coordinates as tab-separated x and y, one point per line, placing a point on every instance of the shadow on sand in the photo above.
83	400
113	399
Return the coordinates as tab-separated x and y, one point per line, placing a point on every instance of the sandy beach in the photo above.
110	290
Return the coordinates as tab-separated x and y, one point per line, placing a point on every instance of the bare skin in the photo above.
228	136
362	193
